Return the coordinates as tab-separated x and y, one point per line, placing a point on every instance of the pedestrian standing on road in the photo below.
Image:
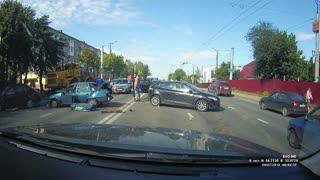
136	87
309	97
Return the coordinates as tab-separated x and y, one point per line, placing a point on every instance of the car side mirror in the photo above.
190	91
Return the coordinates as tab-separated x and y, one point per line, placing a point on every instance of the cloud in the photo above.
97	12
183	29
305	36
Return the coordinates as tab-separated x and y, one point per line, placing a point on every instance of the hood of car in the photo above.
146	137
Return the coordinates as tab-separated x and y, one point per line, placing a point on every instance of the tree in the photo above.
222	72
90	59
114	64
276	53
179	75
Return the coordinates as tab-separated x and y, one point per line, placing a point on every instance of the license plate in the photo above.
120	89
226	87
302	105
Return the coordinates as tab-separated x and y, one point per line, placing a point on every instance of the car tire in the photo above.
284	111
29	104
293	139
202	105
54	103
93	102
155	100
263	106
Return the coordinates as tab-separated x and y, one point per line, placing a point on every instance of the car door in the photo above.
183	95
82	92
271	101
167	94
282	100
310	142
67	96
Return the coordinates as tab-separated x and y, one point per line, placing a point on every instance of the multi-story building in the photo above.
71	54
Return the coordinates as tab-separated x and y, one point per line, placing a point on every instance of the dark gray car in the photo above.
182	94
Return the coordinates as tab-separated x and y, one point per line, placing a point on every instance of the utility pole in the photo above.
110	44
216	63
231	63
101	60
316	27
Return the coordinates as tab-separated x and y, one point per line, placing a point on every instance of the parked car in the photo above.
144	84
182	94
121	85
80	92
304	132
18	96
288	103
220	87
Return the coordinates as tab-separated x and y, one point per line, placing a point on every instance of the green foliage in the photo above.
180	75
26	43
265	94
90	59
276	53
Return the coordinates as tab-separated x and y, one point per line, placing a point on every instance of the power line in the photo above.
224	27
241	20
299	25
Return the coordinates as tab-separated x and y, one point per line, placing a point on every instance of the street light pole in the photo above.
110	44
101	61
192	70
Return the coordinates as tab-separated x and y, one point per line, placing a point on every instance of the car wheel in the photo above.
93	102
263	106
155	100
29	104
54	104
284	111
202	105
293	139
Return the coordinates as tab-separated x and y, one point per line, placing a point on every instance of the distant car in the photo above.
144	84
18	96
182	94
220	87
121	85
288	103
80	92
304	132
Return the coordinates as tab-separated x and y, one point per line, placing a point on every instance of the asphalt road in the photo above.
237	117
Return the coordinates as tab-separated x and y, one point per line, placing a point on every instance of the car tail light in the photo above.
220	87
295	104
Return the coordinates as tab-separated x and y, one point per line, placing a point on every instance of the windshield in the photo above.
156	55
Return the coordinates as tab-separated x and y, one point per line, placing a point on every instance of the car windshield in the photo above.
198	76
121	81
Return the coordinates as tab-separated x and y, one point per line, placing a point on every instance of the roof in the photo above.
248	70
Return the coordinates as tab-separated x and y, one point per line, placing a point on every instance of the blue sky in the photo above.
165	33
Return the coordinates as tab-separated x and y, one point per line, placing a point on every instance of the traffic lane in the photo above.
145	115
58	115
262	127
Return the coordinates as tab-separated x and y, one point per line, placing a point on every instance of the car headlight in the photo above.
213	98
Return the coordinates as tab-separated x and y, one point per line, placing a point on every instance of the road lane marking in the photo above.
112	115
262	121
114	118
45	115
190	116
229	107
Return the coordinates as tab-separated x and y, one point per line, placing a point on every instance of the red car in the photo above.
220	87
18	96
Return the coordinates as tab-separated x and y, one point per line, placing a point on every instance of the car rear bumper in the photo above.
298	111
225	92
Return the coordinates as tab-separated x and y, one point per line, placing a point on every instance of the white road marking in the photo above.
113	116
229	107
262	121
45	115
190	116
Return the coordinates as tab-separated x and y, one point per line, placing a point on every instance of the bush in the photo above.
265	94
